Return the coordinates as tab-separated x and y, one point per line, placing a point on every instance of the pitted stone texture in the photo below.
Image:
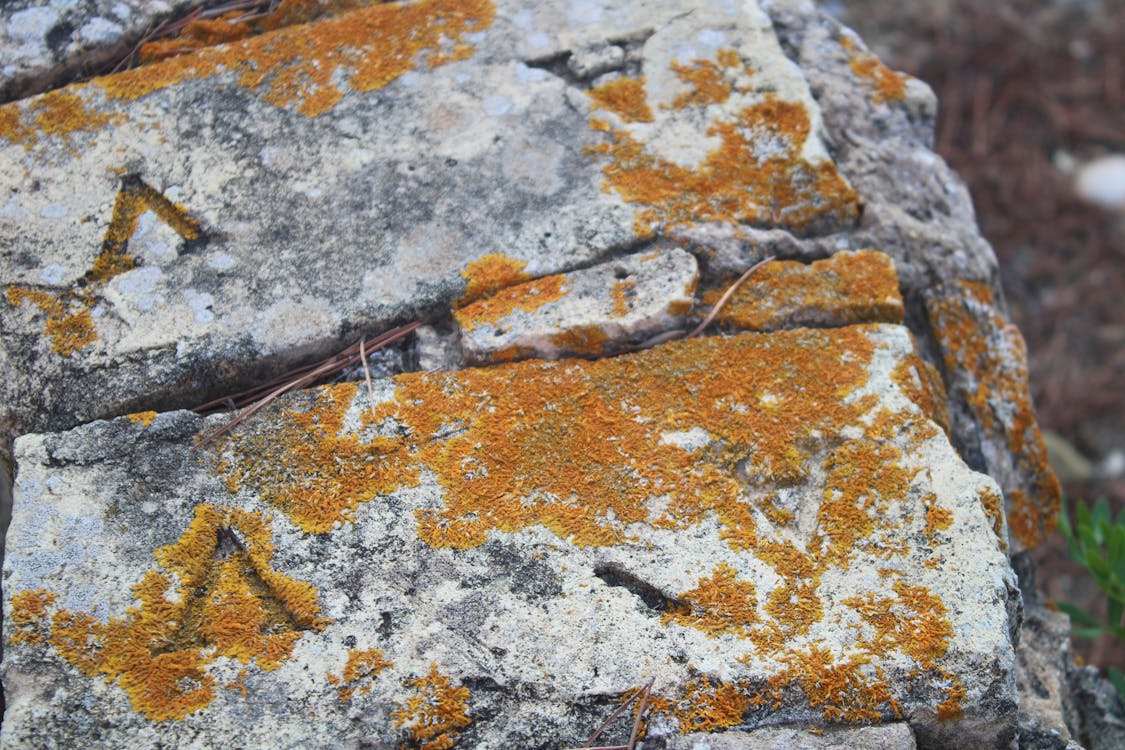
593	312
889	737
849	287
985	364
881	126
339	186
766	525
44	42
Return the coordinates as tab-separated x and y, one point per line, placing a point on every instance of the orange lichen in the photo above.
742	181
529	296
889	85
842	689
937	517
143	418
301	66
915	622
709	705
436	713
757	174
581	341
625	97
134	197
720	604
580	448
623	292
27	616
950	708
69	318
363	666
921	383
986	362
851	287
575	446
489	274
57	113
993	506
710	82
229	602
69	323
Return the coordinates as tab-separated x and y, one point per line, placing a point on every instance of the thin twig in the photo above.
367	377
640	712
329	366
588	745
727	295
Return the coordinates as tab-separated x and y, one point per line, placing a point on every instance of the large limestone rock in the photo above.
767	526
799	520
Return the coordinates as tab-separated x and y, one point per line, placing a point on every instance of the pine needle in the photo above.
727	295
303	376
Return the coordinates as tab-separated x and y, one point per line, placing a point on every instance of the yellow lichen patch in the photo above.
986	361
889	85
57	113
69	319
489	274
993	506
27	618
229	602
363	666
915	622
435	714
921	383
950	708
132	199
859	287
841	689
756	175
69	323
864	478
623	292
529	296
302	66
708	706
305	467
143	418
709	81
573	445
720	604
625	97
937	517
581	341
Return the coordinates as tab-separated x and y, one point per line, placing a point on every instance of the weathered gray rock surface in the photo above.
802	526
766	526
42	43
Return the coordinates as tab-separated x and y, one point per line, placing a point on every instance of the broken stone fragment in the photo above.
993	420
888	737
592	312
767	526
849	287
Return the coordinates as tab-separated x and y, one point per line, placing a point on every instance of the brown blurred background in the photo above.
1032	95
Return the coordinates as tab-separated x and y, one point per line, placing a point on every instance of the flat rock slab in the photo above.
768	527
168	226
593	312
849	287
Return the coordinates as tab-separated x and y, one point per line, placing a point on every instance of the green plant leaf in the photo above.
1114	608
1118	681
1079	616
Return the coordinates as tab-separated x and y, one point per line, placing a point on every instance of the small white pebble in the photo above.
1102	182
